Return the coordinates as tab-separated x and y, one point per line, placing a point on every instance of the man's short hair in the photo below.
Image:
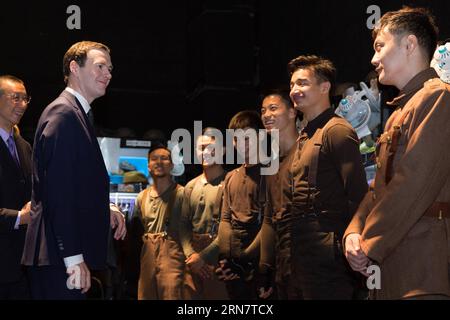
209	131
11	78
417	21
283	94
246	119
156	146
323	69
78	53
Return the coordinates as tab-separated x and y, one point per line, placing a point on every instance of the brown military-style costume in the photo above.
404	220
322	189
276	229
162	260
241	217
199	224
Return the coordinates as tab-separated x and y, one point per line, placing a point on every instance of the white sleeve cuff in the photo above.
16	225
73	260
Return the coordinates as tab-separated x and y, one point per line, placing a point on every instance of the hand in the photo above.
224	273
79	277
265	281
265	294
198	266
118	222
355	256
24	214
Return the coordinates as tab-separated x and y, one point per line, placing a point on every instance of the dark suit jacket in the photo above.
70	200
15	192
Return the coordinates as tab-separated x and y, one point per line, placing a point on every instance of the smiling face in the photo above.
246	143
275	114
206	151
93	78
160	163
11	111
307	91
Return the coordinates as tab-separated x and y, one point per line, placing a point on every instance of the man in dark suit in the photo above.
15	188
68	233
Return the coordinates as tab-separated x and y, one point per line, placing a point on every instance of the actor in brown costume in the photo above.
277	113
242	214
200	219
402	224
159	209
325	185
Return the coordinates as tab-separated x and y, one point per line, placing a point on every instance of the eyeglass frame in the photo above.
15	98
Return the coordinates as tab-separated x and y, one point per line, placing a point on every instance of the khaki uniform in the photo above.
198	233
162	259
404	219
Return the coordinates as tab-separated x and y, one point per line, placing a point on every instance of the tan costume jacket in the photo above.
411	249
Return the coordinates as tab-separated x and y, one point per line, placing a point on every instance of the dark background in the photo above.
180	61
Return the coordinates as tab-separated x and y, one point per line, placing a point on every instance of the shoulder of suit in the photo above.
60	106
20	139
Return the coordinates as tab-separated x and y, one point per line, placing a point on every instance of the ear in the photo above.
411	43
292	113
325	87
74	67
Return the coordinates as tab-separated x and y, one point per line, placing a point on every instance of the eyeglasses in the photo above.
16	98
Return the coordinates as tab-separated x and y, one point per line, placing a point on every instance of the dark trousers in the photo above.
240	289
242	235
18	290
319	268
283	257
50	283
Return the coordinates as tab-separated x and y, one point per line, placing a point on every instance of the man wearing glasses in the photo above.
15	188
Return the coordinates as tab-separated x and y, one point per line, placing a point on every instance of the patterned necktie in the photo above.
90	116
12	149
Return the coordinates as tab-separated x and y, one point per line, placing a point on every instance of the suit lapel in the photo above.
24	155
7	155
86	124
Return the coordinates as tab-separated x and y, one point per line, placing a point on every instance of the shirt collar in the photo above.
414	85
5	135
83	101
318	122
214	181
